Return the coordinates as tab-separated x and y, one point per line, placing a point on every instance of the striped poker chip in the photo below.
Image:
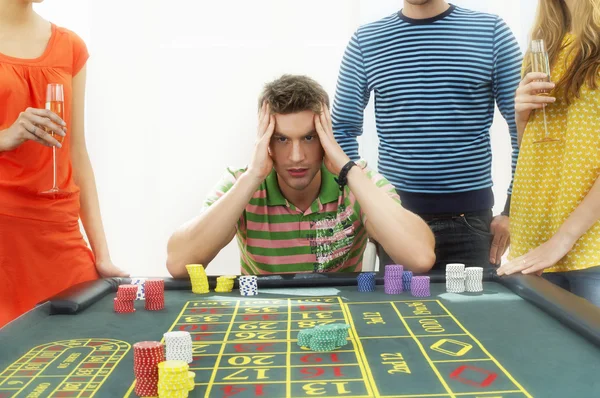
474	279
394	270
366	282
419	286
406	280
123	306
392	279
146	357
127	292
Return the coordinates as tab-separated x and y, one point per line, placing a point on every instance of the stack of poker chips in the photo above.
419	286
139	282
146	357
406	279
455	278
474	279
324	337
248	285
392	280
198	278
126	294
225	284
366	282
174	379
179	346
155	294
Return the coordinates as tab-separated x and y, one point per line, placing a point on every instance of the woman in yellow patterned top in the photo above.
555	209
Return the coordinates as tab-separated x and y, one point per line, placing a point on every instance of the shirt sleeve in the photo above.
506	78
351	97
223	186
80	53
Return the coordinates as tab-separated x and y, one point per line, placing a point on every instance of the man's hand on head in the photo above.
335	157
262	163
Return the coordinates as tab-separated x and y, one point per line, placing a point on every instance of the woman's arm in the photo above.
84	178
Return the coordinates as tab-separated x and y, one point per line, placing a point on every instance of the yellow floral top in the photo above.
552	178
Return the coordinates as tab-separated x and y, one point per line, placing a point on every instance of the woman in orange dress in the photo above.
42	250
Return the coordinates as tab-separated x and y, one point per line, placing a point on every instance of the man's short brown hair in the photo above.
294	93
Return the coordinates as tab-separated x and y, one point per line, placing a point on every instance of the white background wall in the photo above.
172	90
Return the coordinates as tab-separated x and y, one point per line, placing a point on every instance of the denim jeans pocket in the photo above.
479	225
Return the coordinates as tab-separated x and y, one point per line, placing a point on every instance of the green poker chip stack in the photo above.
324	337
304	337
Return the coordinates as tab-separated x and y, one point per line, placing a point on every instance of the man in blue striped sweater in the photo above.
436	70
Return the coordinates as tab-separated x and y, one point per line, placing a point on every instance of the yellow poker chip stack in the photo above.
174	379
191	381
198	278
225	284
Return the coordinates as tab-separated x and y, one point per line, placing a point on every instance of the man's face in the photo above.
296	150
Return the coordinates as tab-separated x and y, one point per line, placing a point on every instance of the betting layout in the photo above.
405	348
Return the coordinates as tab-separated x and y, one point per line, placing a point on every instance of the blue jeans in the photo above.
459	238
583	283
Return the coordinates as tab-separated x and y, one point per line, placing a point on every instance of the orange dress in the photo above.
42	250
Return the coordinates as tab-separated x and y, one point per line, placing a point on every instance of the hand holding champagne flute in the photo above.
533	90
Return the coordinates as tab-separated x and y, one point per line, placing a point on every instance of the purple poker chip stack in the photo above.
406	279
392	279
419	286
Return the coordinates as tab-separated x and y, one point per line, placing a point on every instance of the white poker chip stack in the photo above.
455	278
141	293
248	285
474	279
179	346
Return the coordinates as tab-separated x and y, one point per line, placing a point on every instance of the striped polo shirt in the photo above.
274	236
435	83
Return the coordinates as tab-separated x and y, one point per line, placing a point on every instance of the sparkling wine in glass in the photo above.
55	102
540	63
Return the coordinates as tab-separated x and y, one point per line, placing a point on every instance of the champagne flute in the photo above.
540	63
55	102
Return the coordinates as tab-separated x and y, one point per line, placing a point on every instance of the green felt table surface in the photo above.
493	344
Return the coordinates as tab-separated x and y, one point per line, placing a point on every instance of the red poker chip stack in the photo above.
154	290
146	357
125	298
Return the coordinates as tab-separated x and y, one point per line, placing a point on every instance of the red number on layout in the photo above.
193	328
316	358
252	347
313	307
230	391
264	317
312	372
198	337
316	372
205	310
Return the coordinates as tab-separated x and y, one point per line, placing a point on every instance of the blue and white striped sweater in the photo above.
435	83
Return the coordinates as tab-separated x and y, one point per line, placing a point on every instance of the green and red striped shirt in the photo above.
274	236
